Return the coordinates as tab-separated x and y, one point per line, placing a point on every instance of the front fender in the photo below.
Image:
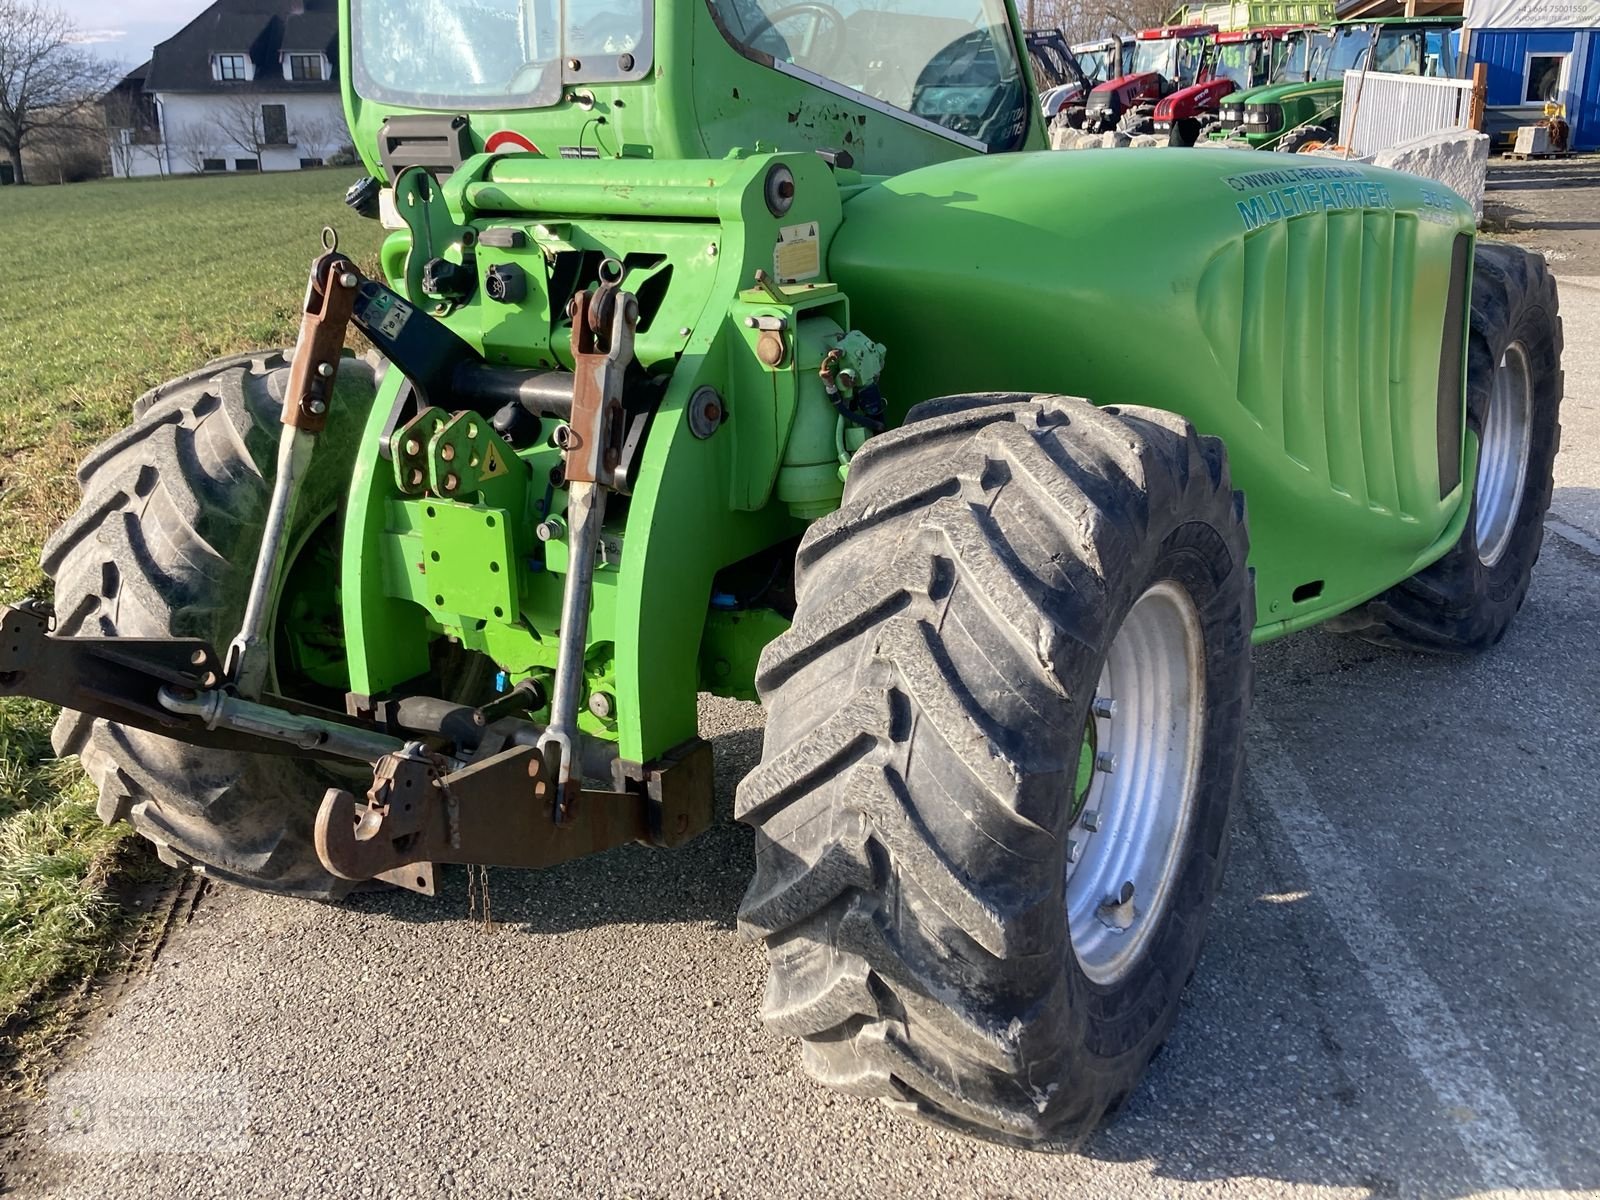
1295	310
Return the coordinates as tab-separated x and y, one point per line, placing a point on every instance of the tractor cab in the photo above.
1414	47
1304	54
1104	59
890	84
1300	56
1164	61
1239	59
1060	80
1251	57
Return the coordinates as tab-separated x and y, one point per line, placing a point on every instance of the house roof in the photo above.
309	31
262	29
133	81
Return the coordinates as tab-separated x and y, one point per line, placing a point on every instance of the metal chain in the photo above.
478	885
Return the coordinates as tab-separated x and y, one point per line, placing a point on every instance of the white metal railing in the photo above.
1384	110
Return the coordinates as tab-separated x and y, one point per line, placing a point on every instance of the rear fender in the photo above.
1060	98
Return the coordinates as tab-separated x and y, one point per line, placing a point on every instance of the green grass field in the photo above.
115	287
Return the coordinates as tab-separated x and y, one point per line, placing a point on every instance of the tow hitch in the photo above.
498	811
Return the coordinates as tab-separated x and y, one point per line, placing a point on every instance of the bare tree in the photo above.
1084	20
70	159
319	136
134	132
121	152
194	143
239	122
49	85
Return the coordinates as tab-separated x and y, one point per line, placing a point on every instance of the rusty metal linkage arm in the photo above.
167	686
497	812
325	315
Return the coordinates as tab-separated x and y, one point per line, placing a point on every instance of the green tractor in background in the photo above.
1302	113
750	347
1304	56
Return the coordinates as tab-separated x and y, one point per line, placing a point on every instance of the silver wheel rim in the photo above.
1135	819
1503	454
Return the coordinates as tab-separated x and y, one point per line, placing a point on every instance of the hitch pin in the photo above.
330	296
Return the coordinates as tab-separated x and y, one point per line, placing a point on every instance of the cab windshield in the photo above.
1157	55
477	54
1096	63
951	63
1295	65
1234	61
1176	60
1397	50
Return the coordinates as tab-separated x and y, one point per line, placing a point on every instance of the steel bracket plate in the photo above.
466	559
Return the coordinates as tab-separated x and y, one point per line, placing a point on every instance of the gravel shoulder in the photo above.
1549	204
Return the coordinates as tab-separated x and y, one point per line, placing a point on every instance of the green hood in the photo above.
1277	93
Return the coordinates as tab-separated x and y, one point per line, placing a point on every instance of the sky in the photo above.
124	31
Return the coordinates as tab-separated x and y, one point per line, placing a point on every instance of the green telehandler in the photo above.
757	348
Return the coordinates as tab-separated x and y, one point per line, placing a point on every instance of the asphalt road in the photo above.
1399	996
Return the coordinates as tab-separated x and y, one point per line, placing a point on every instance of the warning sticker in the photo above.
492	465
387	314
798	254
395	319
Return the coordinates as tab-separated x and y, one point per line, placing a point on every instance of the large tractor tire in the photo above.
164	544
1185	132
1004	735
1465	602
1303	138
1138	120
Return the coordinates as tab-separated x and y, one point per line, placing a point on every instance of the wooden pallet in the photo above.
1546	154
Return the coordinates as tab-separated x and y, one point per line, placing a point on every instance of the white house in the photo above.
248	85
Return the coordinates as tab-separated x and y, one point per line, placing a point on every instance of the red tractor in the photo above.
1238	59
1165	60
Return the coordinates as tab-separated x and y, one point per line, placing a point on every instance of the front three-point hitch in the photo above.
451	783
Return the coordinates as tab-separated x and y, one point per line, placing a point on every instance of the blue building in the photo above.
1538	51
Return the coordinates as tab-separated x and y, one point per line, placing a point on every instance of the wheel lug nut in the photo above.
1074	849
1104	707
1091	819
1105	761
